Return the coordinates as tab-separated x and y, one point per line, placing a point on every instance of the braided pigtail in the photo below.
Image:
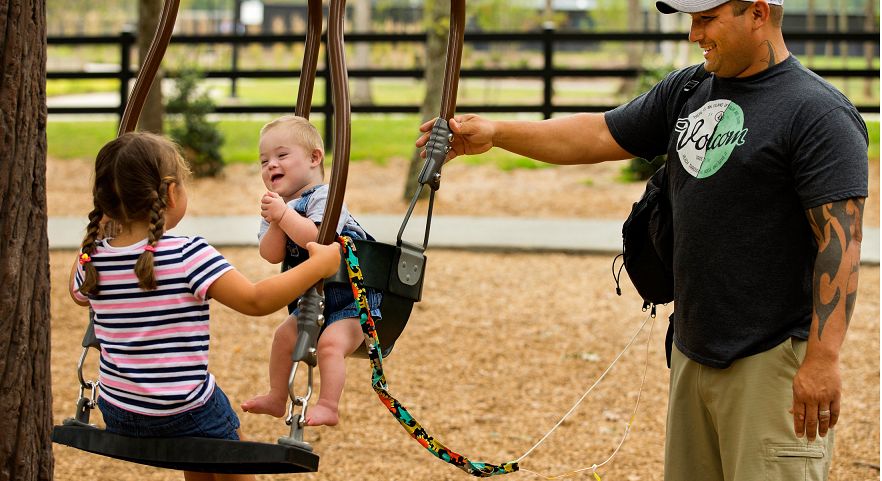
90	282
155	229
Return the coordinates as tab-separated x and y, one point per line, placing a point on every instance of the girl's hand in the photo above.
272	207
327	257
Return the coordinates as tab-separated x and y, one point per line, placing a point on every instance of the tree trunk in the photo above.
842	26
148	19
810	26
25	386
634	49
869	47
361	87
437	21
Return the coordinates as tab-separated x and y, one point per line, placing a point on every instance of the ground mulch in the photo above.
501	346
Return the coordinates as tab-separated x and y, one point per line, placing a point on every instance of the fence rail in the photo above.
547	39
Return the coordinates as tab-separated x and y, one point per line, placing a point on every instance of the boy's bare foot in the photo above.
270	403
322	414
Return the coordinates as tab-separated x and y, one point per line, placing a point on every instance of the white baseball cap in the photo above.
695	6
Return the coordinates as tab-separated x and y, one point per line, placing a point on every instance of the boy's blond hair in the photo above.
302	132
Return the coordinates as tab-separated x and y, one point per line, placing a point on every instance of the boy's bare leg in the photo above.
339	340
275	401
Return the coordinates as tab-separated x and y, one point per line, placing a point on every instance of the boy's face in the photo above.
286	167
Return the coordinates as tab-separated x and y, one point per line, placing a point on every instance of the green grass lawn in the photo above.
374	138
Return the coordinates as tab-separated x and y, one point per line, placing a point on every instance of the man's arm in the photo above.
575	139
817	385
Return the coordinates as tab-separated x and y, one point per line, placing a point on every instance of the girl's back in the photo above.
154	356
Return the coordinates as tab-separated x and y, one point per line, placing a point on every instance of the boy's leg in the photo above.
274	402
339	340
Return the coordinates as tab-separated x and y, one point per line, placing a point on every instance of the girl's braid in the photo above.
156	226
90	282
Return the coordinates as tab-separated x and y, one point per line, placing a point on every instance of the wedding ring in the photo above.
824	414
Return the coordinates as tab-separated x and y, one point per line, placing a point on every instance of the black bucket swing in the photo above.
187	453
396	269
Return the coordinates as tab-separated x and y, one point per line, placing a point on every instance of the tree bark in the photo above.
437	20
148	18
25	385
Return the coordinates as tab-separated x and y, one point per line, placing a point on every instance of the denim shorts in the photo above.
340	304
214	419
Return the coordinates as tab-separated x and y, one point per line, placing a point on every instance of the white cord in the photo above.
594	467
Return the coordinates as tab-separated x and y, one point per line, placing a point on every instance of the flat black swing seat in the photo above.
190	453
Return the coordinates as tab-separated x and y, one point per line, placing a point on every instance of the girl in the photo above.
149	292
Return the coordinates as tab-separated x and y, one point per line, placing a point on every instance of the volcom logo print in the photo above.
706	138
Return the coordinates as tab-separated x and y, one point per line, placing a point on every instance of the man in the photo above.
768	172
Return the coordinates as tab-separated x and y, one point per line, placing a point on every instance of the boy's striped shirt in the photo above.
154	344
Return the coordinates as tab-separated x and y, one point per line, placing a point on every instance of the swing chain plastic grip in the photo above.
309	323
436	153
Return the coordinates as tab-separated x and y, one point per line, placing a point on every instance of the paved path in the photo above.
450	232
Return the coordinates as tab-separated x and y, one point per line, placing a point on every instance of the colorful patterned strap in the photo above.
378	381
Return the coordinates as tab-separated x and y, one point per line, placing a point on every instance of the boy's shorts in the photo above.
341	304
214	419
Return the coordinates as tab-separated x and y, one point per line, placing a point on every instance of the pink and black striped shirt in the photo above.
154	344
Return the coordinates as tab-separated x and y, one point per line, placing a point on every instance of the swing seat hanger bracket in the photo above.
436	153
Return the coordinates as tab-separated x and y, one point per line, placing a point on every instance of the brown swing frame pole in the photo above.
310	58
147	73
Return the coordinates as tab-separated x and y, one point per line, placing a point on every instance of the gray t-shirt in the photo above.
747	158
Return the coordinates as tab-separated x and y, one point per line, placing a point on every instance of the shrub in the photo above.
200	139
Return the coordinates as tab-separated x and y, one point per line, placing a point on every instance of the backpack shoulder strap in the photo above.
697	76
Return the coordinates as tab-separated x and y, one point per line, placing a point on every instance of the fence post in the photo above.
329	103
547	69
126	40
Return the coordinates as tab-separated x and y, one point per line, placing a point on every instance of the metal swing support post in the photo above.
311	304
440	137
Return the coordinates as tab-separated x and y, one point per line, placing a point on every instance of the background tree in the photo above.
361	87
25	387
437	22
148	19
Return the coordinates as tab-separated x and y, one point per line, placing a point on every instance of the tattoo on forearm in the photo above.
837	229
770	59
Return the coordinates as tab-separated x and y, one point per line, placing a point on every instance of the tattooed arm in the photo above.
817	385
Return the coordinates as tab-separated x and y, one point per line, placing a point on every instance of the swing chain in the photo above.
296	400
85	404
309	322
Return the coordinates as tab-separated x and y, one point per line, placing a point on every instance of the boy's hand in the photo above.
326	256
272	207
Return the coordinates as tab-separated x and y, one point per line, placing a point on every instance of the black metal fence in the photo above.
547	41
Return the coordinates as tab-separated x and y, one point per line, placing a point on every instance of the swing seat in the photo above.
204	455
397	271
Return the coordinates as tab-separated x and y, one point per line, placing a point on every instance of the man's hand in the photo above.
272	207
472	135
817	388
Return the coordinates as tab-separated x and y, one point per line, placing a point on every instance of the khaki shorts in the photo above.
733	424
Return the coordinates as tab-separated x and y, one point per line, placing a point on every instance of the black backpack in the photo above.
648	236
